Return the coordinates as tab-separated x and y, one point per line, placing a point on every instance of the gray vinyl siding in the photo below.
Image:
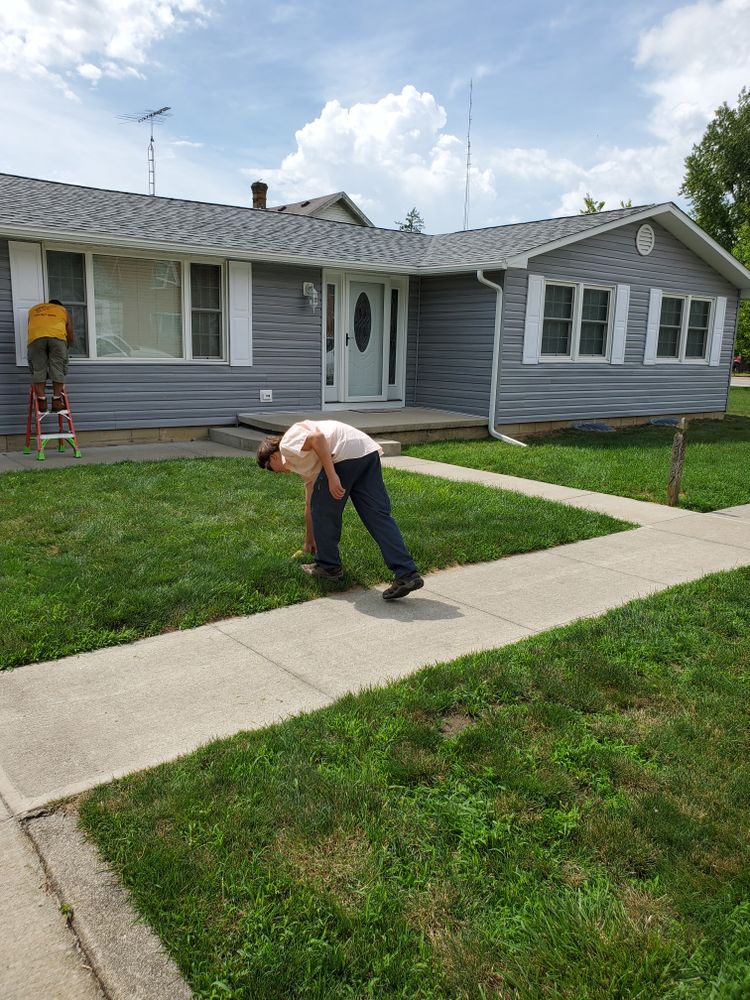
113	395
562	390
456	326
412	341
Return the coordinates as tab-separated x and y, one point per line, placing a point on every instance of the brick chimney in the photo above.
259	190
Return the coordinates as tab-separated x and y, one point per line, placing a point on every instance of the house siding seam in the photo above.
584	390
456	331
107	396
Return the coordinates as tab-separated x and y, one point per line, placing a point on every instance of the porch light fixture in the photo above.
311	294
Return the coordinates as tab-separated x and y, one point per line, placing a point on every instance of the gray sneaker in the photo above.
321	573
402	586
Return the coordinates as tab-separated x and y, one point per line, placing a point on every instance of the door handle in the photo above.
347	340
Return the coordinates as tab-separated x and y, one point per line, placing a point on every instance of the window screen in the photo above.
205	299
558	319
66	280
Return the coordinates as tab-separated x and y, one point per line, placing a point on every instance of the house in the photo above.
337	207
188	314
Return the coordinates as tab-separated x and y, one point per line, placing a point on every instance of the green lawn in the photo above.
99	555
565	818
630	463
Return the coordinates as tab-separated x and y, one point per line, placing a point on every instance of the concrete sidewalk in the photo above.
74	723
159	451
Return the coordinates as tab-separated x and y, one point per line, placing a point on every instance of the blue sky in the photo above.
372	99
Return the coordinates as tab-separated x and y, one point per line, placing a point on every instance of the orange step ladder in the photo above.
63	435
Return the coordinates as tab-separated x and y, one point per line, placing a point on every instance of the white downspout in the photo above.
496	362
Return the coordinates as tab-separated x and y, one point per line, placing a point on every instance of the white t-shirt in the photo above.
344	441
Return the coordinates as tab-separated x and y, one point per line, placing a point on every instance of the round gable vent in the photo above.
645	239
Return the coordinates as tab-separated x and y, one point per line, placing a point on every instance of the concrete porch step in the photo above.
248	439
409	425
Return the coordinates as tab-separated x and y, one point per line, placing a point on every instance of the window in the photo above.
697	332
576	321
330	334
205	298
683	328
137	308
66	281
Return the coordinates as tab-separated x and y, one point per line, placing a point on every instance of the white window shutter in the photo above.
620	324
240	283
652	326
27	290
532	336
717	335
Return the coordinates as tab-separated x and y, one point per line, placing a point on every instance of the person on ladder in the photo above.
50	334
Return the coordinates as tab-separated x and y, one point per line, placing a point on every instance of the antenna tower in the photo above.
150	117
468	158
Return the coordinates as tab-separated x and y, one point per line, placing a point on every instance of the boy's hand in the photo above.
308	548
335	488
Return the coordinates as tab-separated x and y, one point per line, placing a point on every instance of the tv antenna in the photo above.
150	117
468	158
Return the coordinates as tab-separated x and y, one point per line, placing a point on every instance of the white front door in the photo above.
365	341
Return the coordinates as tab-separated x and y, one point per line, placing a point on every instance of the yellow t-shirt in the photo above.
47	320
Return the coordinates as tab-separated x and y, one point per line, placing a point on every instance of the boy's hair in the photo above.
55	302
266	448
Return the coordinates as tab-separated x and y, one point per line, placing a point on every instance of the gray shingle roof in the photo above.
70	211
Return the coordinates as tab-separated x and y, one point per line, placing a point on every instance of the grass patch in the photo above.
563	818
100	555
630	463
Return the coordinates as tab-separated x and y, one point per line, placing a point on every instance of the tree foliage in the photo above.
413	223
590	205
741	251
717	173
717	186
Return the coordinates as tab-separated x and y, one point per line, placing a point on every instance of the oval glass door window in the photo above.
362	322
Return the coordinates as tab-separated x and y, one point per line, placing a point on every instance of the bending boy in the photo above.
336	462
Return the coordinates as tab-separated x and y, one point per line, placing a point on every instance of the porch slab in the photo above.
412	423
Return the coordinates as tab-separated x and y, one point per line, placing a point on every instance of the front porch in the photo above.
410	425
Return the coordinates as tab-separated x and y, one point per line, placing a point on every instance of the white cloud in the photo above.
696	57
187	143
395	146
47	38
700	57
90	72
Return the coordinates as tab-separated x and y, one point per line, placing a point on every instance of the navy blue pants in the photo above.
362	478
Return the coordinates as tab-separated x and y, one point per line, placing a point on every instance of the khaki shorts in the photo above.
48	358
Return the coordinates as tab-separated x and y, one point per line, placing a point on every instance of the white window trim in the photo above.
575	334
184	261
680	359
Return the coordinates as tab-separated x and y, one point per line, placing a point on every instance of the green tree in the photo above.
590	205
413	223
717	173
741	251
717	186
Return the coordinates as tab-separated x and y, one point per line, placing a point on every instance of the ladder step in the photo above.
56	437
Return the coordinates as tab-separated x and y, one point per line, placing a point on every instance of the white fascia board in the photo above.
522	259
188	250
495	265
676	222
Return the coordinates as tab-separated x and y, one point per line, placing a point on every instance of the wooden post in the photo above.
678	461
